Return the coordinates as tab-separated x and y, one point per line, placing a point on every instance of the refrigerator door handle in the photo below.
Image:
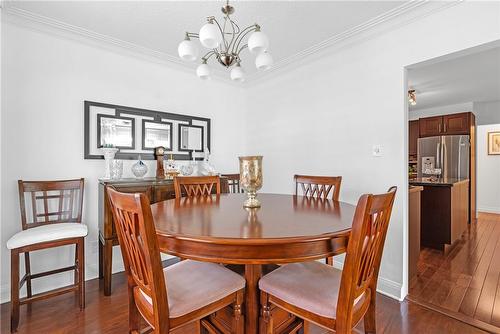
438	156
444	160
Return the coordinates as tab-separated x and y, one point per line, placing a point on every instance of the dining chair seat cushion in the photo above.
312	286
45	233
192	285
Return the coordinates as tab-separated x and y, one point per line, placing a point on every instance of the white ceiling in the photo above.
292	26
474	77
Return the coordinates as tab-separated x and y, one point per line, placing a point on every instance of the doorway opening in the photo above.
454	185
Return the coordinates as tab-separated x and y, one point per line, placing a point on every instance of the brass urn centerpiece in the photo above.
251	179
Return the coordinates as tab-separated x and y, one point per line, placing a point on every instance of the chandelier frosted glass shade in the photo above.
210	36
258	42
188	50
264	61
237	74
203	71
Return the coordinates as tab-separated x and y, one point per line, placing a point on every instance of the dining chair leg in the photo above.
329	260
80	247
266	320
27	266
101	255
239	319
14	290
75	272
369	319
134	317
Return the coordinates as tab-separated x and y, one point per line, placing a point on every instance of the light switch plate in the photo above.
377	150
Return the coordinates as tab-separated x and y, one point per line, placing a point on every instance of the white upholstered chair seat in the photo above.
191	285
312	286
45	233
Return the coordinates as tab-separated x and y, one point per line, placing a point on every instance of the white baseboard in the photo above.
488	209
4	293
385	286
390	288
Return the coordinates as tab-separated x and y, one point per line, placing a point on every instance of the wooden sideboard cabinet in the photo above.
156	190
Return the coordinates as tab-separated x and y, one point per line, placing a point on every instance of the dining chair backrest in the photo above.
141	256
196	185
362	262
318	186
233	183
49	202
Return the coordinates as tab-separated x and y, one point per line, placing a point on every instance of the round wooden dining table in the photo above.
286	228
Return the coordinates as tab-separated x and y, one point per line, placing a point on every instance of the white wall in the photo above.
488	172
323	117
45	79
487	112
441	110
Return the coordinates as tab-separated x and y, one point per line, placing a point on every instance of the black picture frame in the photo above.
171	135
180	149
101	116
150	114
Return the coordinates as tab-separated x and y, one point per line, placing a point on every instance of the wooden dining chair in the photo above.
51	216
333	299
180	297
233	182
319	187
191	186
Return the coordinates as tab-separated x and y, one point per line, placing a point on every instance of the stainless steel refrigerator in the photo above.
448	153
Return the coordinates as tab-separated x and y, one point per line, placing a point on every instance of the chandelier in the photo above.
226	41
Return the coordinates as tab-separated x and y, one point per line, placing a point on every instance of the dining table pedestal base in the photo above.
253	273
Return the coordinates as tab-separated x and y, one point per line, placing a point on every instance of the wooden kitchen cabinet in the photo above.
444	212
457	124
430	126
413	134
414	229
452	124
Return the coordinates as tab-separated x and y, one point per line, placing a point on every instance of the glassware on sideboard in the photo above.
116	169
139	169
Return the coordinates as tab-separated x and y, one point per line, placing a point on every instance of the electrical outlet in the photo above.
377	150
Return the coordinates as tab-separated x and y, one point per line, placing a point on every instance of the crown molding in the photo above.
397	17
45	24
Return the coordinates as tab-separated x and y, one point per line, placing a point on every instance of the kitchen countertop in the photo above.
441	182
413	188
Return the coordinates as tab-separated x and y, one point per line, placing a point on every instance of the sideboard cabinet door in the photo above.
163	193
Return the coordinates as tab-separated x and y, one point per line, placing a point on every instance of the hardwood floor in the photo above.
109	315
465	283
